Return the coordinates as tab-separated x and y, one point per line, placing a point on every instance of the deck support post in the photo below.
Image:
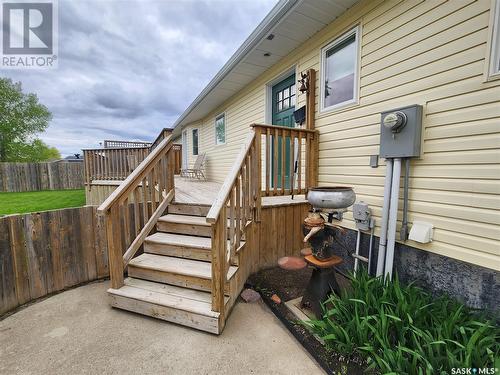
313	157
113	233
258	172
219	272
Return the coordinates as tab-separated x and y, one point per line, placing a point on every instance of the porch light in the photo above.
304	83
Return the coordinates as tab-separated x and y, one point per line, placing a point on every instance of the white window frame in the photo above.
494	41
223	114
355	100
192	141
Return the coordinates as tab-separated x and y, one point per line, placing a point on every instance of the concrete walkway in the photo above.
76	332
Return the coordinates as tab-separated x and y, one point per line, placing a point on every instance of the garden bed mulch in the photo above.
288	285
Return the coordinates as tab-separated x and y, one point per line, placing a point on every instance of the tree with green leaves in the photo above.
22	117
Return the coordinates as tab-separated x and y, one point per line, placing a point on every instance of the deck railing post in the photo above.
219	242
113	233
258	171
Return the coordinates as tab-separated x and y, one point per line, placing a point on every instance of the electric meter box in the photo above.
401	132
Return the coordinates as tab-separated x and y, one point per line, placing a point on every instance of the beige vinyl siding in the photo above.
412	52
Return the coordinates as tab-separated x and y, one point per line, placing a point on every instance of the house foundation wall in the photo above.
476	286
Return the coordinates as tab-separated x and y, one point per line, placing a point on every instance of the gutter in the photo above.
260	32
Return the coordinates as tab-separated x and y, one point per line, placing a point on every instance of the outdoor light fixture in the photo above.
304	82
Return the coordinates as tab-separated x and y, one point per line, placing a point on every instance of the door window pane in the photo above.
340	61
220	129
195	141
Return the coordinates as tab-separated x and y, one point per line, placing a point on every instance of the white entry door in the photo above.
184	150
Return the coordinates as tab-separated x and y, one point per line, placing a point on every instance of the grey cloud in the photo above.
129	68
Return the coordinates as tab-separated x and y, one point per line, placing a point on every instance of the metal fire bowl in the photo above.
334	197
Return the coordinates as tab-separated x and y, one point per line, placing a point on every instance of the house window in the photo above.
195	141
220	129
339	79
495	41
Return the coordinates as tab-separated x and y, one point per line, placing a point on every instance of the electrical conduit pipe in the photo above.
393	217
385	217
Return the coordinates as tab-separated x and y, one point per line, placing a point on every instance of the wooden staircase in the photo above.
172	279
195	258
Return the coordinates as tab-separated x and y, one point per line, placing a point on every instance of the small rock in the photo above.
292	263
276	299
306	251
250	295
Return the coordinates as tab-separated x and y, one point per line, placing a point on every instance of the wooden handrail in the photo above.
278	127
237	204
165	132
225	190
136	175
132	210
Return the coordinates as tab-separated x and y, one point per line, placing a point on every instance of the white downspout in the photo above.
385	217
393	218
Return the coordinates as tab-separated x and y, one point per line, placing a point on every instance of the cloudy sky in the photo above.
129	68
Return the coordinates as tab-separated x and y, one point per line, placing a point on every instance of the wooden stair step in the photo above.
184	224
180	246
178	305
187	273
188	209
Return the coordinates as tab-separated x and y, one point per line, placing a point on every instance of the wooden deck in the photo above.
204	192
195	192
187	191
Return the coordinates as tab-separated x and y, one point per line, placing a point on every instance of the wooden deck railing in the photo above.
116	163
112	163
125	144
239	200
237	204
132	210
290	159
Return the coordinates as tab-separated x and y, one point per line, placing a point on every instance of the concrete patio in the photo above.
77	332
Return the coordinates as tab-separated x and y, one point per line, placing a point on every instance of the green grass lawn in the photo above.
33	201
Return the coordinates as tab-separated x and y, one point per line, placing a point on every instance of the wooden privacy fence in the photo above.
46	252
19	177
